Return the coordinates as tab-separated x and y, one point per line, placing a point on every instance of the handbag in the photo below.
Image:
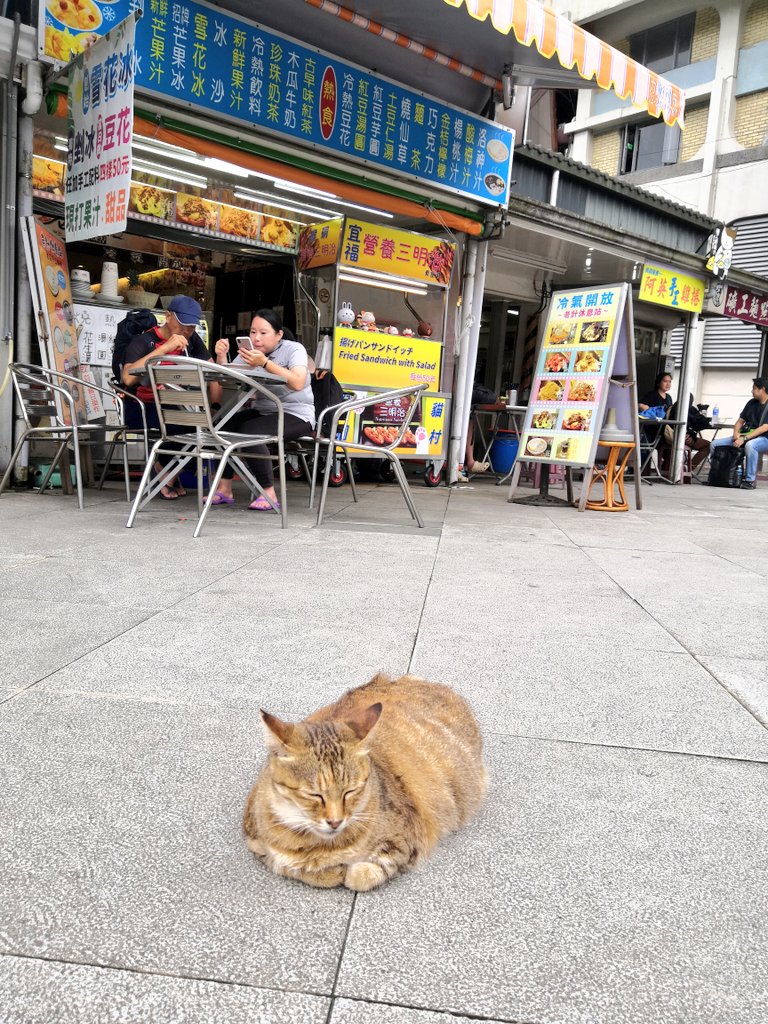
481	395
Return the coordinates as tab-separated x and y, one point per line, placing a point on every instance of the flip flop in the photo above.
171	496
262	505
180	491
222	499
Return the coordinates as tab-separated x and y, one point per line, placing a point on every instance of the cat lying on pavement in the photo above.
364	789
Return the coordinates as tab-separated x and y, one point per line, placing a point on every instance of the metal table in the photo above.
498	411
648	449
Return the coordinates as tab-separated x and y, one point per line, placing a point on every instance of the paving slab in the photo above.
347	1011
586	891
746	679
42	635
40	992
124	848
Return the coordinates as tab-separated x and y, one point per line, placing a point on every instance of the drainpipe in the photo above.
8	236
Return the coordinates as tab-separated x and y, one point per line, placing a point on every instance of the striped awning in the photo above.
554	36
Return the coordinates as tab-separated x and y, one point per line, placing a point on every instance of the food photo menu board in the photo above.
573	367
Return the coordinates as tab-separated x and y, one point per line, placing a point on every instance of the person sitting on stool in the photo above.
750	431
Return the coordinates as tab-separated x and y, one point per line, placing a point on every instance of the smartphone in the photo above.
245	343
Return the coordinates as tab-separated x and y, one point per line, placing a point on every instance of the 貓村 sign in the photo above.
212	61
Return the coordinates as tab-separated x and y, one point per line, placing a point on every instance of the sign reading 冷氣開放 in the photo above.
99	133
665	286
573	367
389	251
213	61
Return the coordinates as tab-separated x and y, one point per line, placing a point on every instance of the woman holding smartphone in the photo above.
272	348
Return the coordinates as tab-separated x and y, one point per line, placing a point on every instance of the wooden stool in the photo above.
611	475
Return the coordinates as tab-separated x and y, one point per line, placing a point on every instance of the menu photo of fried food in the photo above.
577	419
594	333
561	333
557	362
588	362
544	420
235	221
278	232
581	391
384	435
538	446
194	210
550	390
48	176
150	201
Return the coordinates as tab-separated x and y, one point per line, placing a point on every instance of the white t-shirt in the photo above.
288	354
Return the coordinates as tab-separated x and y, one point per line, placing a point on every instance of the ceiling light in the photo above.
170	173
167	147
184	156
224	165
412	289
365	209
290	186
376	275
265	199
529	259
513	312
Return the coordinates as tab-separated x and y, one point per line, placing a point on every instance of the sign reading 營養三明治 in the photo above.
99	133
199	55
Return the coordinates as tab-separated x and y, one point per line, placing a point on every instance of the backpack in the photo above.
137	321
326	391
725	466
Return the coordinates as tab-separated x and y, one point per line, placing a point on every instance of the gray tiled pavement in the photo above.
618	669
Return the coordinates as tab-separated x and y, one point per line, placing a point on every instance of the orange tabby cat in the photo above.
364	788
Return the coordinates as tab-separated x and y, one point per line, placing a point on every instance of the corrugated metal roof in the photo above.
632	193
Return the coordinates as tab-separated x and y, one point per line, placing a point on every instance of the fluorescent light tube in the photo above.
266	199
413	289
170	173
289	186
376	275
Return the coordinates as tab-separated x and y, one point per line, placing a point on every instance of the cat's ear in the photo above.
362	722
275	730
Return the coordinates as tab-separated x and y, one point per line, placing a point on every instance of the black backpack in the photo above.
326	391
725	468
137	321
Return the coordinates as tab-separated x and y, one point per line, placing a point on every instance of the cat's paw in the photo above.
364	876
256	846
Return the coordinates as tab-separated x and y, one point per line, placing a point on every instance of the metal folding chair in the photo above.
180	389
46	394
326	437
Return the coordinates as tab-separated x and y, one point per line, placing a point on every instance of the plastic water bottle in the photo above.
739	474
715	413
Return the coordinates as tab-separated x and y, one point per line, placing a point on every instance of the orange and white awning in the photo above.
554	36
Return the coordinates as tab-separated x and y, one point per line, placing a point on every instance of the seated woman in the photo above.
660	396
276	351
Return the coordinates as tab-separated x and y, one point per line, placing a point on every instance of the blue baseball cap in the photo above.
187	311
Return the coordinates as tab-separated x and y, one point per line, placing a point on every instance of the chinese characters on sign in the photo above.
665	286
573	366
389	251
319	244
367	359
197	54
99	131
738	303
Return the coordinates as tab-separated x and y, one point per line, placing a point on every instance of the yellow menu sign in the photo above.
665	286
404	253
370	359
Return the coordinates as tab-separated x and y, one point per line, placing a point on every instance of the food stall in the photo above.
379	296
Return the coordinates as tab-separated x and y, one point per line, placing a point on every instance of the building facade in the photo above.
717	164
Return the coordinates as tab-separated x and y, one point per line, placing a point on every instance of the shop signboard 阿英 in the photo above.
665	286
99	133
214	62
573	369
738	303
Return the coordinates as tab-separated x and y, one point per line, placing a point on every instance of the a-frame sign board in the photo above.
585	366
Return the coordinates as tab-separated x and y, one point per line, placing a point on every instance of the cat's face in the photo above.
319	774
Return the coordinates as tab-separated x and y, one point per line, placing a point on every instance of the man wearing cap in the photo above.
750	431
177	336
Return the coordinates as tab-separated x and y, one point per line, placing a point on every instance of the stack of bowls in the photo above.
80	281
